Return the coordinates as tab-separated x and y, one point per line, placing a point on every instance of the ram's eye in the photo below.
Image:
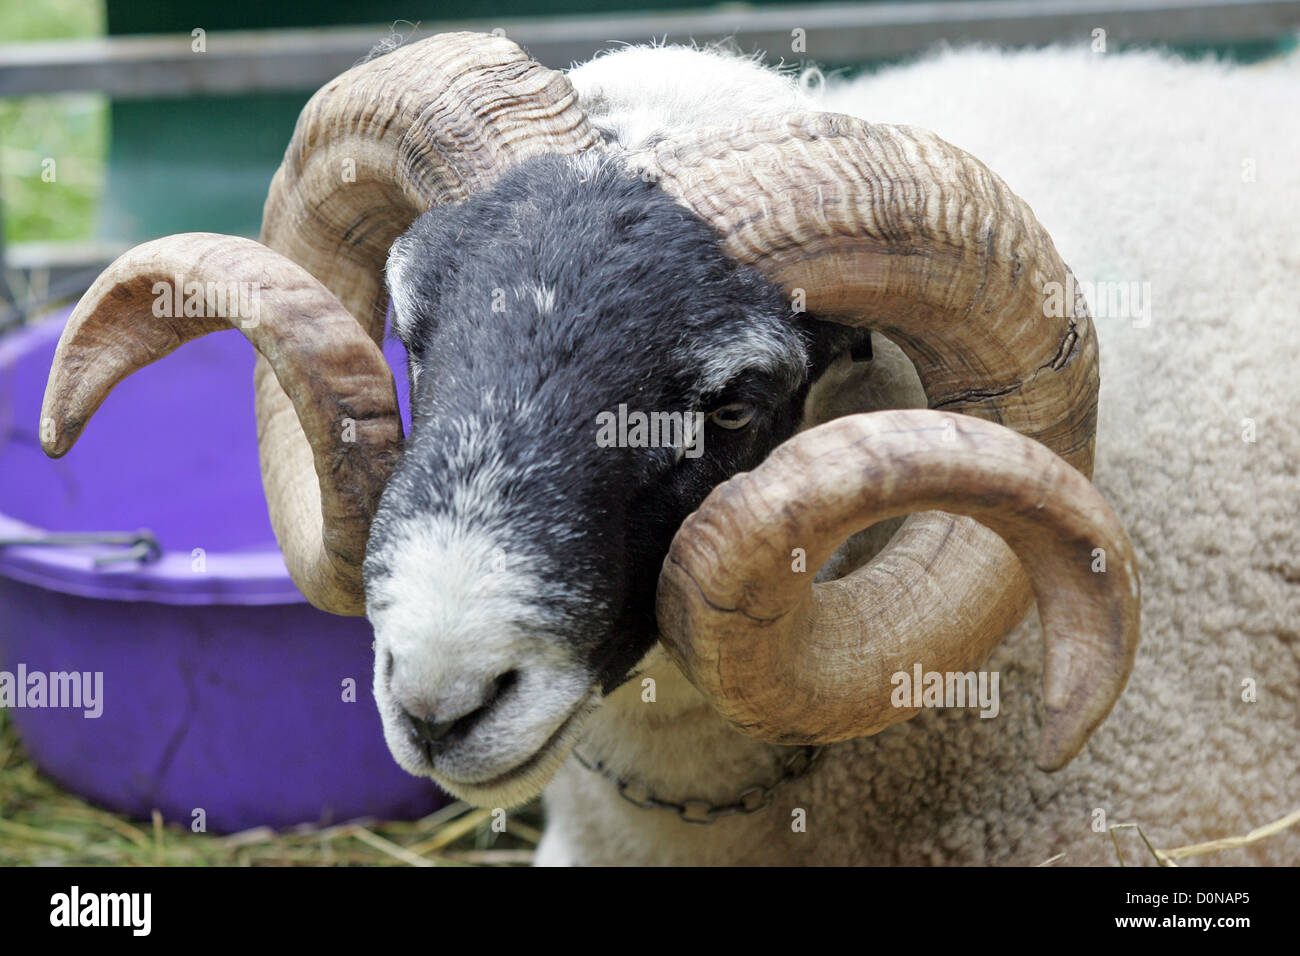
735	415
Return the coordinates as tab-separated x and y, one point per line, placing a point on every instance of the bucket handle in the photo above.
140	545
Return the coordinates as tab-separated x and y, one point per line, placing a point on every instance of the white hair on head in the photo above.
541	294
400	288
753	346
637	96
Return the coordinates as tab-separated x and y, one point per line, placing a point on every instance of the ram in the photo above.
722	626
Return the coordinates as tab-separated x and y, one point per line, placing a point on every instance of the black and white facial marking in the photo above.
512	566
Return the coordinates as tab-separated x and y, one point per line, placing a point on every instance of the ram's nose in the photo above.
436	724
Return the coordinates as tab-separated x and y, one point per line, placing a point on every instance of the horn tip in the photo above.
1051	762
1060	741
58	437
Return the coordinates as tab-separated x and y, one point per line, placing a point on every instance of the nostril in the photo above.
500	686
430	731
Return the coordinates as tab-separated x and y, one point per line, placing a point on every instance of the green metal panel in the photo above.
193	165
164	16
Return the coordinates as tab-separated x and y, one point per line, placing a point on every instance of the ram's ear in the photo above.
829	340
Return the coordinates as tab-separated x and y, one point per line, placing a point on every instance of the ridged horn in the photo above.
894	229
342	388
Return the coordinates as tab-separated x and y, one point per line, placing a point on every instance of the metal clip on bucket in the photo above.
140	545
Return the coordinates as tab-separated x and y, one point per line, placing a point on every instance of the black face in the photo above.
530	314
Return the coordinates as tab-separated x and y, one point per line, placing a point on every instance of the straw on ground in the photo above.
41	825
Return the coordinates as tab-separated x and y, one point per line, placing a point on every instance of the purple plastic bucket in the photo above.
223	690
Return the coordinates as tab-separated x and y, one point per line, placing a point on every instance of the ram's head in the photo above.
516	562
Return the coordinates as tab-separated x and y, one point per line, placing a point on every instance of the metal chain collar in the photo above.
800	763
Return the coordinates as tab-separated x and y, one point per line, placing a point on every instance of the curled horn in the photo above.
893	228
